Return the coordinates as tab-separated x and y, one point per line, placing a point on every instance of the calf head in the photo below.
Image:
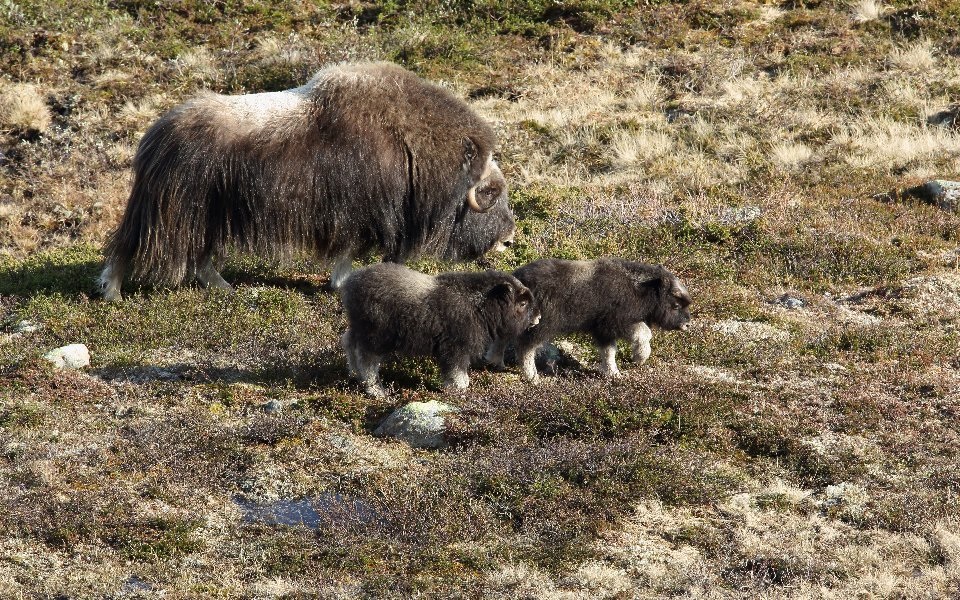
517	308
671	300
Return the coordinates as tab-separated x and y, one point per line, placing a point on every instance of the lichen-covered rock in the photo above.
74	356
420	424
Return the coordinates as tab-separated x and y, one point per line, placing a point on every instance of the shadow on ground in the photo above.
47	274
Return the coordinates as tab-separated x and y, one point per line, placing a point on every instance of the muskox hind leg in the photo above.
342	267
110	281
208	276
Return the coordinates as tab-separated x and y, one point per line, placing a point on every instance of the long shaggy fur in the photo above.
609	298
364	158
452	317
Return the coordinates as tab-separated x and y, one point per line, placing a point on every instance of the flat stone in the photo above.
790	302
74	356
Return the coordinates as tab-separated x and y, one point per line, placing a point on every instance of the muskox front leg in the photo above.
608	360
640	340
350	350
110	281
527	357
494	354
342	267
456	373
208	276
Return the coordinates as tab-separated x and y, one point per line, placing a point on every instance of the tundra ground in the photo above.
801	441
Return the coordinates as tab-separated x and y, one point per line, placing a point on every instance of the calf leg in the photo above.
494	354
346	343
364	365
208	276
608	360
527	357
640	339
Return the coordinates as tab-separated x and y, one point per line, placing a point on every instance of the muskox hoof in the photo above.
376	391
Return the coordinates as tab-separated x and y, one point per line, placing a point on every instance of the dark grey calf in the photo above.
452	317
609	298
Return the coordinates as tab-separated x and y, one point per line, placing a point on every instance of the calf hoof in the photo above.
612	374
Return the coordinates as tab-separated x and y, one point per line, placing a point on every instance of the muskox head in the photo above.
484	221
516	307
671	299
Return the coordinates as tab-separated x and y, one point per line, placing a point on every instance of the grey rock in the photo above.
941	193
739	215
74	356
420	424
271	407
135	586
790	302
949	117
318	512
25	327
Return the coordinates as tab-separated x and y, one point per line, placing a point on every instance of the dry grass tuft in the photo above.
790	156
865	11
198	63
22	107
917	58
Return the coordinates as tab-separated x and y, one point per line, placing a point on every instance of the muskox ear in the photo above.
643	277
501	291
474	163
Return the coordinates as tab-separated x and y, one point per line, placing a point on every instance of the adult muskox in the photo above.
365	158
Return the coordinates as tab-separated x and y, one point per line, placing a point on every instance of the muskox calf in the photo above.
364	158
609	298
452	317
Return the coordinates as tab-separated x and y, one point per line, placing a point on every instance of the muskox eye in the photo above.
675	306
522	304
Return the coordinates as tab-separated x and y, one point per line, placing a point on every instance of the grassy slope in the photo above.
813	453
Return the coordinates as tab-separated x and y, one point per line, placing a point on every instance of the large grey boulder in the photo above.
941	193
74	356
420	424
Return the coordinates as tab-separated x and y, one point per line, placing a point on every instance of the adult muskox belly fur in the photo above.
365	158
452	317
